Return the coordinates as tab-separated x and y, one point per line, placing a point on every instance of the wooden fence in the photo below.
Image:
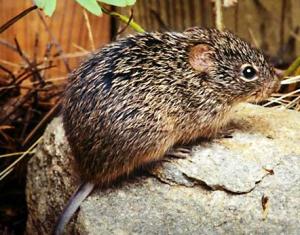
68	26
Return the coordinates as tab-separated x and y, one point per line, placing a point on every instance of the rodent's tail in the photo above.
77	198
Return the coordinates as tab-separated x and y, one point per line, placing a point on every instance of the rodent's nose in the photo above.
279	73
278	77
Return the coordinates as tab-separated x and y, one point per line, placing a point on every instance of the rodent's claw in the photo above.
225	133
179	152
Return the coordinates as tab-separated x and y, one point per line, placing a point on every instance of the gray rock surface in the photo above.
247	184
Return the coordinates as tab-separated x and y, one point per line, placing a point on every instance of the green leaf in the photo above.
119	3
91	5
40	3
50	7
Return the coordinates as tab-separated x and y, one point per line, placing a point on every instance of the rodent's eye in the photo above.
248	72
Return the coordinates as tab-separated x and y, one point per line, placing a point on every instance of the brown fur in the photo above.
131	101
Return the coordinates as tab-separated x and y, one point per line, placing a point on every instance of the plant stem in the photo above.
16	18
219	15
292	68
124	19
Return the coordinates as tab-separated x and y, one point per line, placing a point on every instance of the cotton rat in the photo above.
131	101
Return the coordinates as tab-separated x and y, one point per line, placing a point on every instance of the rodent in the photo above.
131	101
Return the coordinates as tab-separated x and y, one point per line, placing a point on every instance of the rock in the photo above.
246	184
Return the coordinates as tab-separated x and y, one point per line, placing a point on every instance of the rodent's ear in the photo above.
200	57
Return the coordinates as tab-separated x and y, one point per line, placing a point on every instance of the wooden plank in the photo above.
175	14
67	25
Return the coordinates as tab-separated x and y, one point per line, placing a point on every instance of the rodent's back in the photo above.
121	103
116	107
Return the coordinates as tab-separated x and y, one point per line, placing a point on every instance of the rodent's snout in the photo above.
272	85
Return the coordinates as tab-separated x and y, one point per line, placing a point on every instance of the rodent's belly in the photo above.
200	127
